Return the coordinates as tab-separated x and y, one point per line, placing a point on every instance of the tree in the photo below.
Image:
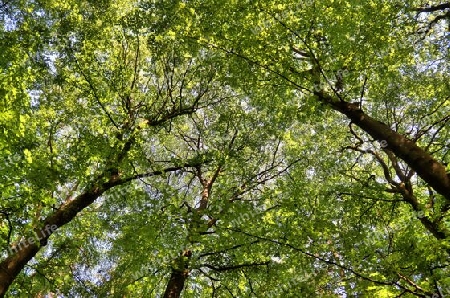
312	48
225	149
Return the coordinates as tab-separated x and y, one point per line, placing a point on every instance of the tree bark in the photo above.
12	266
176	284
26	250
180	273
428	168
178	276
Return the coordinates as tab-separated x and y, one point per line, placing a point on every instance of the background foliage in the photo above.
208	111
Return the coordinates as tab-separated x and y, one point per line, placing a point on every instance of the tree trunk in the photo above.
12	265
176	284
180	272
28	248
429	169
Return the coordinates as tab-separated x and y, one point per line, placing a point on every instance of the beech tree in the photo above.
224	149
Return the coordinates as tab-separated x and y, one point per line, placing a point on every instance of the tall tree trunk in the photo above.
178	276
176	284
11	266
180	270
428	168
28	248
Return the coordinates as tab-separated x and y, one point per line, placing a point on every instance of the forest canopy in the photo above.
224	148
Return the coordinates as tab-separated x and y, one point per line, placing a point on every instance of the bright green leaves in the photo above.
124	88
27	154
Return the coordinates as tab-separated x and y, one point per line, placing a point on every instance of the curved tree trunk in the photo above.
11	266
428	168
27	249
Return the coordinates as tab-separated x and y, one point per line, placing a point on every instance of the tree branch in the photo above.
234	267
432	8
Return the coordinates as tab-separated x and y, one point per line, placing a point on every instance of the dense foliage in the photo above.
224	148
